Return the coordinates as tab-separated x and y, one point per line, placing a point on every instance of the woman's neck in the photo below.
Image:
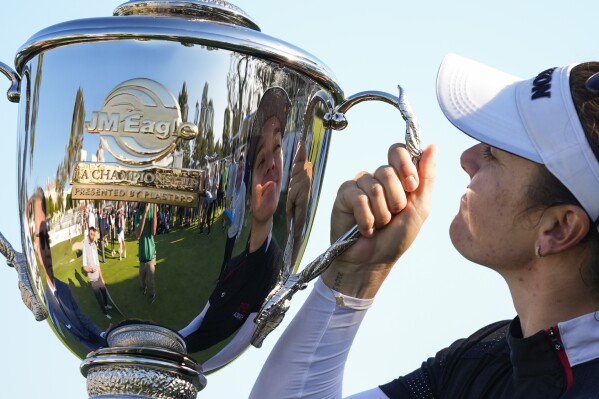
548	291
258	234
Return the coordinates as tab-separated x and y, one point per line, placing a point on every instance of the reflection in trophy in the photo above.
167	197
91	266
70	322
235	211
146	221
245	280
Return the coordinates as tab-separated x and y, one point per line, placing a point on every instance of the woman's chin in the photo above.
456	232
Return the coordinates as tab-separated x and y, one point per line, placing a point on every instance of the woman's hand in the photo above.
389	206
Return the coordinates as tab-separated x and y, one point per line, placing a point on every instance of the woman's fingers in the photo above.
351	207
385	196
421	197
395	194
400	160
371	200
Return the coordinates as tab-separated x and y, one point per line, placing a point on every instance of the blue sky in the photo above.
434	296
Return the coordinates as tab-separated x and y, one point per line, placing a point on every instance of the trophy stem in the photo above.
142	361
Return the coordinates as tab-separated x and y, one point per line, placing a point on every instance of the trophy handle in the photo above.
17	261
13	92
336	119
277	303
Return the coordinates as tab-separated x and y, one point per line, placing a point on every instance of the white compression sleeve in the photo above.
374	393
309	358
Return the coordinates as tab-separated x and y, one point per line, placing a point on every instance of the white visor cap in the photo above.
535	119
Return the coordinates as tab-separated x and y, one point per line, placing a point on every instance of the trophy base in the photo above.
142	361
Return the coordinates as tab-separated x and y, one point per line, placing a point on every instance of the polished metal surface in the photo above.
143	360
12	93
187	32
170	163
146	335
212	10
17	261
278	301
174	133
138	382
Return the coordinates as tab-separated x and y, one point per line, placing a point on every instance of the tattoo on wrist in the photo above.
337	282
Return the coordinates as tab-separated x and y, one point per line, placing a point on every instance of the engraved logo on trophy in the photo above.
158	185
140	122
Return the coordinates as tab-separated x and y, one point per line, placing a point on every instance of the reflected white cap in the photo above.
535	119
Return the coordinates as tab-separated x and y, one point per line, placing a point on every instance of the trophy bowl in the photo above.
170	160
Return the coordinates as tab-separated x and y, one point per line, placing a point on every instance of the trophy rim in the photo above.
188	32
213	10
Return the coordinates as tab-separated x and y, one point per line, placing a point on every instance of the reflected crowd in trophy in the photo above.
203	270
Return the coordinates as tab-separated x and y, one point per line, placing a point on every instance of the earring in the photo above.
538	252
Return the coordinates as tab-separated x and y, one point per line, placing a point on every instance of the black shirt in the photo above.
497	363
246	282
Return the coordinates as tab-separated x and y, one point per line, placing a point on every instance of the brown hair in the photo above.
548	191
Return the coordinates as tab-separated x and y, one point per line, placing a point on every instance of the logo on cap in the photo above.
541	86
140	122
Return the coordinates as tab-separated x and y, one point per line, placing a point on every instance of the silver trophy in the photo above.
170	163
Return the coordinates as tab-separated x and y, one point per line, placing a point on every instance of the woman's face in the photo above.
267	171
492	227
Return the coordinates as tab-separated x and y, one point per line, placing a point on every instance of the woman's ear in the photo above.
561	228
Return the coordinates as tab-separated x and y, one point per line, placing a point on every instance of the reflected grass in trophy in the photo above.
175	270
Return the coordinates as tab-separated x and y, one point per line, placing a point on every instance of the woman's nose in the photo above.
470	159
270	161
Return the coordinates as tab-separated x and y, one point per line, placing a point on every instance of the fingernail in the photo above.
411	183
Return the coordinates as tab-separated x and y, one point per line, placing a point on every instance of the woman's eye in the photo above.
487	154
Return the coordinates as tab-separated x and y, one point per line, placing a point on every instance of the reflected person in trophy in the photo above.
62	306
120	232
91	216
91	266
205	217
104	225
145	230
237	214
112	227
248	277
100	153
